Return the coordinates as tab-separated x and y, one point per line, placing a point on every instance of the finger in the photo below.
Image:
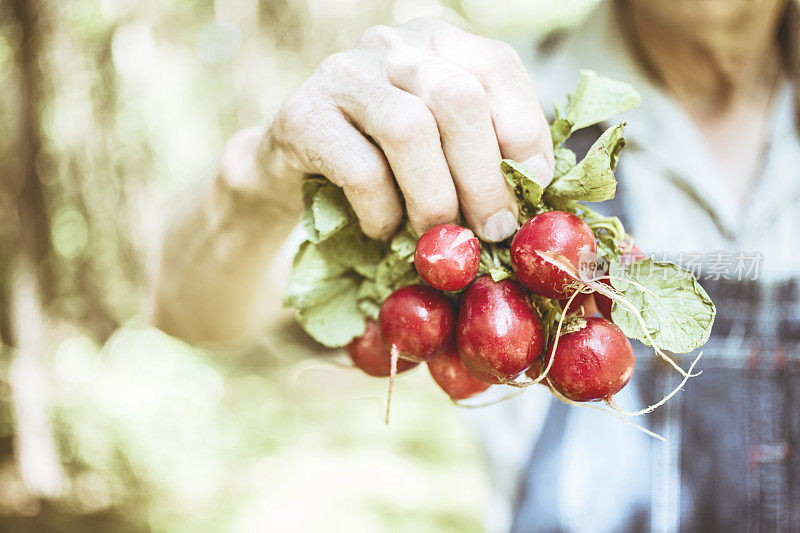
461	109
405	129
324	142
521	127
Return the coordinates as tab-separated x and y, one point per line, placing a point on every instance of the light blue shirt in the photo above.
597	470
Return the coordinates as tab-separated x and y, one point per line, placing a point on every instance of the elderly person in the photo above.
712	168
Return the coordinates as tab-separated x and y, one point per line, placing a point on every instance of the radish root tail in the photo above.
299	369
392	374
613	405
459	403
612	413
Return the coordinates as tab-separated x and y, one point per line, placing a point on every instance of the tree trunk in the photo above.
28	275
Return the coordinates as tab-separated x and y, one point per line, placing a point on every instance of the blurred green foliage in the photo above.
113	110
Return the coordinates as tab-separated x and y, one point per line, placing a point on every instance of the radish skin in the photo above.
448	257
416	322
499	334
449	372
556	233
370	354
591	362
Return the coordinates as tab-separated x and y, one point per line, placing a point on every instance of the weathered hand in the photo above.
426	107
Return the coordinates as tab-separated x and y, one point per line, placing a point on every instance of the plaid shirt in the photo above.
732	457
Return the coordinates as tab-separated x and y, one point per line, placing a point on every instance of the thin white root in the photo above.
392	374
613	405
612	413
552	352
378	402
518	384
486	404
299	369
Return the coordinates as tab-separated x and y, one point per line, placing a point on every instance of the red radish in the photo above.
452	376
372	356
498	333
417	322
593	360
535	369
448	257
565	236
629	255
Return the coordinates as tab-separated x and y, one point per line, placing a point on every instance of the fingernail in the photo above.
541	168
500	226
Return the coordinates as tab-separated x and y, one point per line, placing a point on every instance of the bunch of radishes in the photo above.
491	332
511	313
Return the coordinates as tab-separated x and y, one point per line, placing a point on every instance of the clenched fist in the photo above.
426	108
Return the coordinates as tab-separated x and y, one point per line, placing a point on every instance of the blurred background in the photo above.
110	111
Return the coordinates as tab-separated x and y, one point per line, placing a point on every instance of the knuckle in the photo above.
429	24
486	193
520	138
297	112
437	211
243	141
378	36
459	95
500	58
338	64
504	52
409	121
385	225
363	177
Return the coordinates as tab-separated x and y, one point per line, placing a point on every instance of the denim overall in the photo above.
732	457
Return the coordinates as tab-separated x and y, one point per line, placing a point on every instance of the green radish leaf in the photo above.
404	242
549	312
324	294
335	321
676	309
560	130
607	248
393	273
499	274
396	269
527	190
326	209
368	298
495	261
369	308
594	100
592	180
309	190
314	277
504	256
351	248
565	160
